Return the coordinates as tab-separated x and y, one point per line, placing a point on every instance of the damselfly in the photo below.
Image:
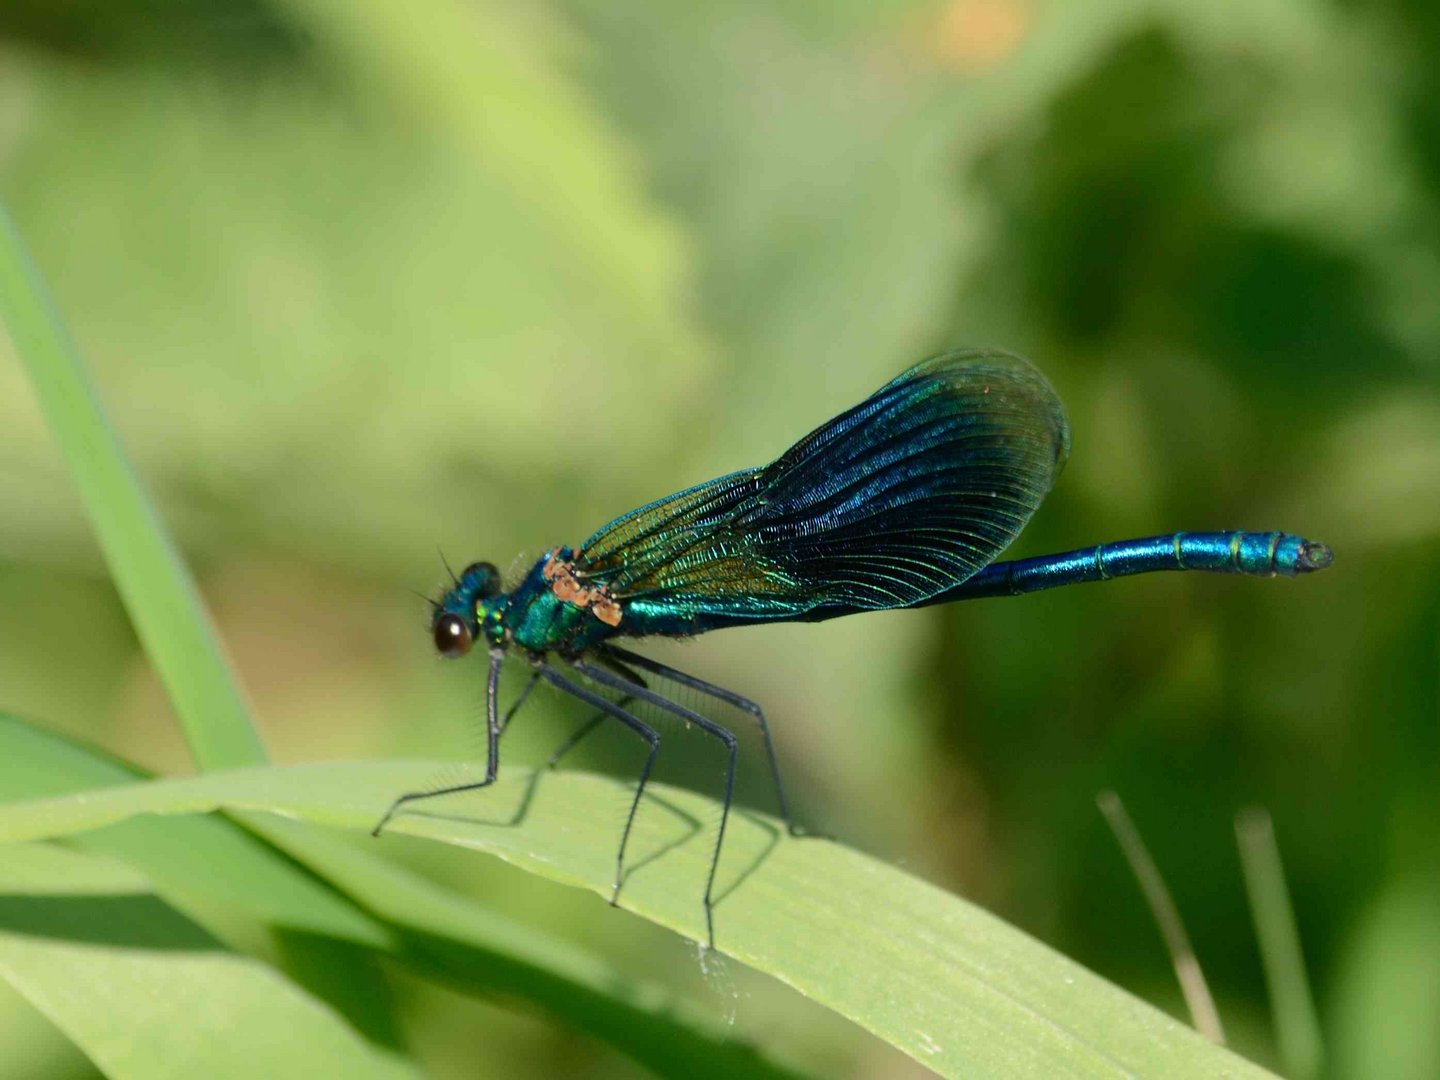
903	501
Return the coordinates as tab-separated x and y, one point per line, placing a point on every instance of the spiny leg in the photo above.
584	730
580	733
644	730
520	700
492	764
725	735
719	693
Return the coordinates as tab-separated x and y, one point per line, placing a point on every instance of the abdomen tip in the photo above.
1314	556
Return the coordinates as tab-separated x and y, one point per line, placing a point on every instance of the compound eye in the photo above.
483	578
452	636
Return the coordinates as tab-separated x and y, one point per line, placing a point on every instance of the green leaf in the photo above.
198	864
319	886
951	985
154	583
145	992
477	951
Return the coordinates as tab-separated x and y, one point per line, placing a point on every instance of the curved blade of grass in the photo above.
232	884
195	862
1193	986
145	992
445	936
318	885
153	581
942	980
1297	1026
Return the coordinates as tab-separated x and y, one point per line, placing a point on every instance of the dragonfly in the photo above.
903	501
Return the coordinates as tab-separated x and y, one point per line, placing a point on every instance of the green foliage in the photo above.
944	981
146	992
326	897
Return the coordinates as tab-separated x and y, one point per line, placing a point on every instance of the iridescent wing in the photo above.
905	495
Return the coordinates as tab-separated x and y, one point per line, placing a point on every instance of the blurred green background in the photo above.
361	280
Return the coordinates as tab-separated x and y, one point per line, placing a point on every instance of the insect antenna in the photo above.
454	581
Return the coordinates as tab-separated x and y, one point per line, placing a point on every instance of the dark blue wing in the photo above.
901	497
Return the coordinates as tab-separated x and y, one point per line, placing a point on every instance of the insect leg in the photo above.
580	733
730	697
725	735
518	702
644	730
492	763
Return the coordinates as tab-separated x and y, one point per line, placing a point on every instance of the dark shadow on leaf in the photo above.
347	976
691	824
602	1008
692	829
129	921
754	863
522	808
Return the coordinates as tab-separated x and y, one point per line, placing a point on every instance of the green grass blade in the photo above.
320	886
208	861
1297	1026
145	992
947	983
1196	991
447	937
154	584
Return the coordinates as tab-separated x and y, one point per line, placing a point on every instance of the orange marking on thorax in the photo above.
565	583
606	610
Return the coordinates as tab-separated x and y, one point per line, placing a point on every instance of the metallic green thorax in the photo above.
531	615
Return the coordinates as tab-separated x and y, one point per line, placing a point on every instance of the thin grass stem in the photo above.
154	583
1297	1026
1203	1013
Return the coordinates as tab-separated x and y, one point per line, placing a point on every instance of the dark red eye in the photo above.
452	636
